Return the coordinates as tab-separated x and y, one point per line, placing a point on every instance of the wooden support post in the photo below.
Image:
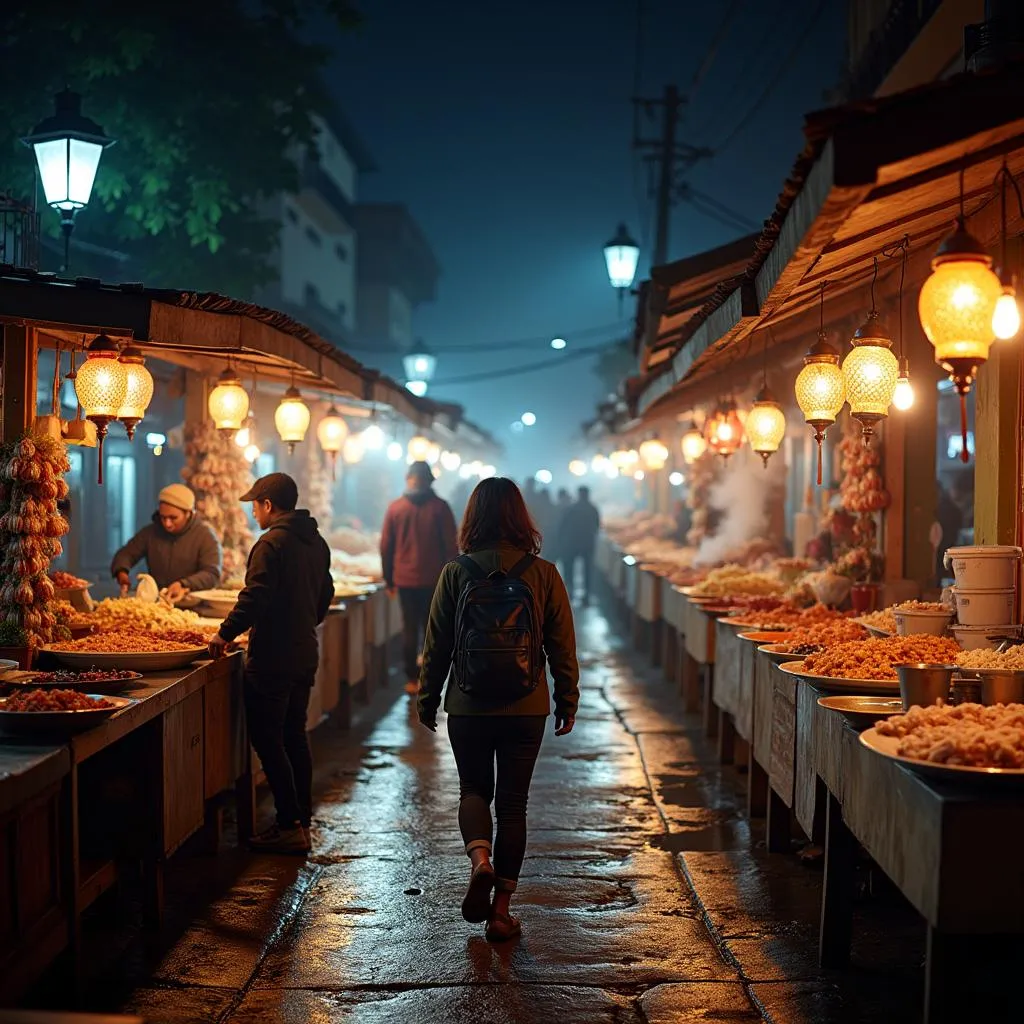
757	787
726	733
837	889
691	683
708	710
779	824
996	432
19	380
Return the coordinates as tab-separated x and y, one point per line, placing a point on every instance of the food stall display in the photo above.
127	613
737	579
31	483
877	657
217	472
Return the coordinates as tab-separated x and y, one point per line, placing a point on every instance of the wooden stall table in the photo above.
671	633
356	621
953	850
763	797
808	792
330	673
647	622
725	688
394	631
698	672
377	630
631	597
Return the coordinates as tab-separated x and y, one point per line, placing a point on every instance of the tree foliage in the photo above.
210	103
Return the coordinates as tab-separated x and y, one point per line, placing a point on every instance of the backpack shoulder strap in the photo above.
520	567
471	566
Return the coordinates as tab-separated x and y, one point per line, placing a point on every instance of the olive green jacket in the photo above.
554	618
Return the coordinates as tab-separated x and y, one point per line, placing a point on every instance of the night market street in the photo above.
626	814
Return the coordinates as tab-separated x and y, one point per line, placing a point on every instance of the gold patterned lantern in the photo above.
765	425
820	387
692	444
228	402
291	417
723	431
653	453
871	372
140	389
101	385
331	432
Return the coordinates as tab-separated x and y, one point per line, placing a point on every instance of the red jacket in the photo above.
417	540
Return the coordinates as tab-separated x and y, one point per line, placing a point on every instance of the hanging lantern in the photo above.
140	389
578	467
101	385
419	448
820	389
653	453
723	431
451	461
246	434
692	444
228	402
870	371
353	450
433	453
956	306
331	432
598	463
291	417
1006	315
624	458
766	425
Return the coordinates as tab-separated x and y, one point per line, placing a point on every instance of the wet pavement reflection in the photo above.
644	898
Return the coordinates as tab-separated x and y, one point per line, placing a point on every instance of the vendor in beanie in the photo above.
182	553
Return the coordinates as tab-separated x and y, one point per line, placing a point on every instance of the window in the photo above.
120	500
341	252
314	236
293	217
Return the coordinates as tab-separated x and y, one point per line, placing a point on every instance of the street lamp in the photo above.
67	147
419	367
621	255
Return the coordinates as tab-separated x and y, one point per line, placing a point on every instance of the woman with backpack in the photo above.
497	614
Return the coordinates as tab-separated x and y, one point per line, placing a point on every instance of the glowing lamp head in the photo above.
228	403
450	461
653	454
332	433
291	417
374	438
820	389
419	364
140	389
578	467
723	431
394	451
354	449
598	463
871	372
903	395
101	385
1006	315
418	448
765	425
621	255
692	444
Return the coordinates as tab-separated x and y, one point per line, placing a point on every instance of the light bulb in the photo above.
1006	317
251	453
903	396
242	437
395	451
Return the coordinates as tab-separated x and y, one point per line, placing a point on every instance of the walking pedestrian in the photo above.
580	525
416	542
288	589
498	612
556	550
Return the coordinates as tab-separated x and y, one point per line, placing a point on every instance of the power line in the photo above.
514	371
717	208
784	66
716	41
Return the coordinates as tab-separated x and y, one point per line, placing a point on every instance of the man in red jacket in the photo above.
416	542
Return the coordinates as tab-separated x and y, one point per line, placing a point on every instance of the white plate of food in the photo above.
95	681
780	653
841	684
889	746
219	601
861	708
135	661
57	712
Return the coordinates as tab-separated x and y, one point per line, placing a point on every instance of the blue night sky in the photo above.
506	127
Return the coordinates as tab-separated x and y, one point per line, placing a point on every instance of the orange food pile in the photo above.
65	581
124	642
790	618
877	658
827	633
53	700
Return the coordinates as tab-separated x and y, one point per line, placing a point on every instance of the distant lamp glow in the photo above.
332	432
395	451
766	425
903	396
251	453
465	471
418	448
1006	316
639	475
374	438
420	363
692	444
625	458
228	402
653	454
450	461
676	479
353	450
243	435
611	470
433	453
102	387
578	467
291	417
723	431
558	344
871	372
529	419
486	472
621	255
140	389
598	463
416	387
543	476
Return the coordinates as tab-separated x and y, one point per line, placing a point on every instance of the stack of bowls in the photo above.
985	593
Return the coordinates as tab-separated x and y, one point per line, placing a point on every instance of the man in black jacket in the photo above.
288	589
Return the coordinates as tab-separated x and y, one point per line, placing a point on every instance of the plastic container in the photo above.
984	607
984	566
976	638
932	623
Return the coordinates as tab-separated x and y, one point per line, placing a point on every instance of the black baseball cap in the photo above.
277	488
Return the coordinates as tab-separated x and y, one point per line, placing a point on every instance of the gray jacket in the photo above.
192	557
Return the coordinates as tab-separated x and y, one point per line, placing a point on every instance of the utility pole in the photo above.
664	156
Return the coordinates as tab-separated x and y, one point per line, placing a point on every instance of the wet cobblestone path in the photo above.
632	895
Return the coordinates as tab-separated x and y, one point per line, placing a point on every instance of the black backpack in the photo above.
497	644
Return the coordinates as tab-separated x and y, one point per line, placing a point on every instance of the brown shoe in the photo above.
294	841
503	927
477	905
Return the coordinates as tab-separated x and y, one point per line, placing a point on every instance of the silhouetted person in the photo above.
556	547
950	518
579	532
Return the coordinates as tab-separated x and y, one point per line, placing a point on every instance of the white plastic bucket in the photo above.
911	622
984	566
984	607
976	638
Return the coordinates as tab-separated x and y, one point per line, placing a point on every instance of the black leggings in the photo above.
514	742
